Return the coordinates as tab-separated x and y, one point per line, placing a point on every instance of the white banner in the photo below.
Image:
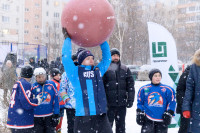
163	55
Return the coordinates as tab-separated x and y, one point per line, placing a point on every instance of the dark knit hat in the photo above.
54	72
26	72
82	54
114	51
152	72
74	57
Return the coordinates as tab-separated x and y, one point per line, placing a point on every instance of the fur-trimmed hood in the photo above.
196	58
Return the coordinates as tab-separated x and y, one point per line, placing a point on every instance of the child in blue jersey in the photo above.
91	104
22	104
156	105
46	115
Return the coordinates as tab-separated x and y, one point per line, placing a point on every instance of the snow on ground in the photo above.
131	125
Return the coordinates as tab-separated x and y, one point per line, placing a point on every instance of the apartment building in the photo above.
11	21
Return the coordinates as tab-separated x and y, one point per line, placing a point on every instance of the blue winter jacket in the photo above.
87	81
154	100
50	104
21	108
191	100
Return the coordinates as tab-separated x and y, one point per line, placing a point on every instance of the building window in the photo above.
47	2
198	18
192	18
56	25
26	32
182	10
36	16
36	27
5	19
5	31
6	7
17	20
56	15
37	4
26	20
47	35
36	38
56	3
26	9
181	1
192	8
47	13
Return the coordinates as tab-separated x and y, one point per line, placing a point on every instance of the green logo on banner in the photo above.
159	49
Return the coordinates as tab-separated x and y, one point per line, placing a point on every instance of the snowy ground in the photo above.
131	125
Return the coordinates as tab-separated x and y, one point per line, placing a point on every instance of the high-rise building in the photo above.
33	21
12	21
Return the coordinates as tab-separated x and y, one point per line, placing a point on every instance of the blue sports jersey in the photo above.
21	107
87	82
154	100
50	104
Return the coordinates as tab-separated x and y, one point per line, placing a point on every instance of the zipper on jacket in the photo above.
117	84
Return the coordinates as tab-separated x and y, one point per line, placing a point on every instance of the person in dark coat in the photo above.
191	101
44	64
59	65
7	80
180	93
52	65
58	62
32	62
120	91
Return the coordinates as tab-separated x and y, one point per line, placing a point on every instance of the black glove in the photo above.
140	118
167	117
55	120
129	104
64	31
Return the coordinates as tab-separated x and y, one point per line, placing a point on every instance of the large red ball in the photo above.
88	22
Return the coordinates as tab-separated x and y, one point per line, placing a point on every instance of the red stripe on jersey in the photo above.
20	127
26	95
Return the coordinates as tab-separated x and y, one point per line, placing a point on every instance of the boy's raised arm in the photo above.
68	64
106	58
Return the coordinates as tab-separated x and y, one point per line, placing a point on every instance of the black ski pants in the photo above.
184	124
117	113
43	125
92	124
27	130
70	120
153	127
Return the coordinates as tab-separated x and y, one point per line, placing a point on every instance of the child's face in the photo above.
41	78
156	78
57	77
88	61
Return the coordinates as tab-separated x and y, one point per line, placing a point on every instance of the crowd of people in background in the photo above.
44	64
